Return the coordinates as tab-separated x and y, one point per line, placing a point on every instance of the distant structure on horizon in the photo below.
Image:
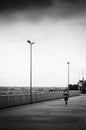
82	85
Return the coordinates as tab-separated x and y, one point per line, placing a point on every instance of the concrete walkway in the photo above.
49	115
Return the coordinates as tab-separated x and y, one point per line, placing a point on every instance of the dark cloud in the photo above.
22	4
35	10
72	1
69	1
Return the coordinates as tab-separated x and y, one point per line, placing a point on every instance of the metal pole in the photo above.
68	74
30	73
30	70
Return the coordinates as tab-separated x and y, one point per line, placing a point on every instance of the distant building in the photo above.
82	85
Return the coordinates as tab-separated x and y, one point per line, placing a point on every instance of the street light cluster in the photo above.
31	43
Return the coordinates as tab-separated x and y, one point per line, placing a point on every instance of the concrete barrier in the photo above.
16	100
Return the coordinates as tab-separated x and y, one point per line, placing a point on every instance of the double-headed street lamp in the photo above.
68	75
31	43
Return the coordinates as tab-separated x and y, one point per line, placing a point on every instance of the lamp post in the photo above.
68	74
31	43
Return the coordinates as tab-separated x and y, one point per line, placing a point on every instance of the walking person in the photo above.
66	96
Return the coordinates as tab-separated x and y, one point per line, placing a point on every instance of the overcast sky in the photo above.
58	28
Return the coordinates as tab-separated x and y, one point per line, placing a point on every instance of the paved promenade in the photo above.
49	115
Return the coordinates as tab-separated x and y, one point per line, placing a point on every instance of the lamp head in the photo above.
28	41
68	62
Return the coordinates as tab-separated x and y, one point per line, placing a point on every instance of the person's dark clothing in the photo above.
66	95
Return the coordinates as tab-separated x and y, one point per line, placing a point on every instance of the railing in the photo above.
16	100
